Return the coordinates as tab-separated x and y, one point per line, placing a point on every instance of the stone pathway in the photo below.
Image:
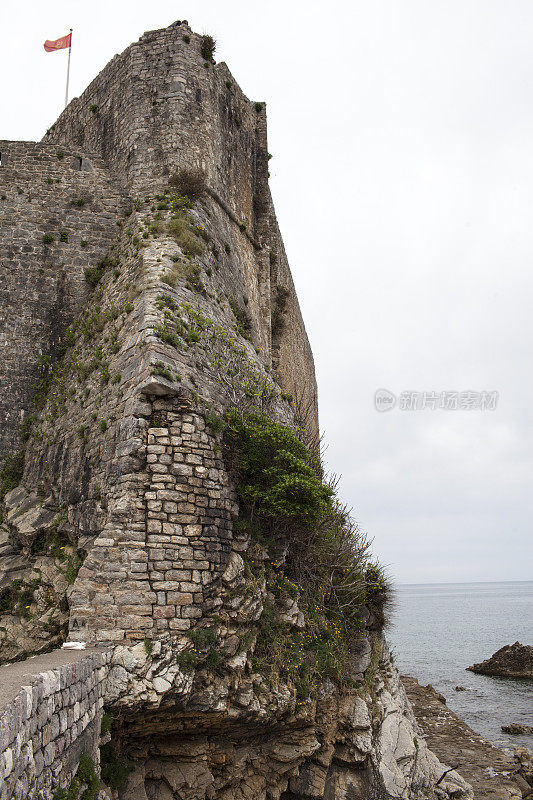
24	673
484	766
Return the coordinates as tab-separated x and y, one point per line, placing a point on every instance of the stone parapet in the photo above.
50	723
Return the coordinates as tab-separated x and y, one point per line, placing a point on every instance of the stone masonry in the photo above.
47	726
69	196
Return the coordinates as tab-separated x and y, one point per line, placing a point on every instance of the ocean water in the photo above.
440	629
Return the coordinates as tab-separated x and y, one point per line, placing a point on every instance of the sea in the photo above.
440	629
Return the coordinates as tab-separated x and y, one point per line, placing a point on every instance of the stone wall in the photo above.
148	577
48	725
158	107
65	194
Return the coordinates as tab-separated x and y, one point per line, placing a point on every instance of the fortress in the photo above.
145	290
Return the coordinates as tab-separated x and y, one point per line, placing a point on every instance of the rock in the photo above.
27	516
487	768
161	685
234	569
524	759
461	689
117	683
512	661
519	730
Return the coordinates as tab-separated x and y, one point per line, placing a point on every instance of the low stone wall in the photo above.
49	724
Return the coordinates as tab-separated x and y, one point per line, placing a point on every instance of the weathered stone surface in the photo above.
518	730
488	769
511	661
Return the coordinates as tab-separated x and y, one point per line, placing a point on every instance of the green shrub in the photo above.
182	230
244	325
207	47
148	646
93	108
186	39
93	275
161	369
113	768
203	637
278	476
279	310
11	472
48	238
187	660
74	563
284	501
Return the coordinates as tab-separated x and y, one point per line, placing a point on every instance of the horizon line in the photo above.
462	583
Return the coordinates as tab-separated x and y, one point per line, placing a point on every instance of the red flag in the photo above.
59	44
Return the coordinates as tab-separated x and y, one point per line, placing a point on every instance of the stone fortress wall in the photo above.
156	108
63	193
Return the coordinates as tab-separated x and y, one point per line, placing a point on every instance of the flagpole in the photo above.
68	69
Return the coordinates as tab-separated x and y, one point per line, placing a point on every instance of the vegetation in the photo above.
93	275
113	767
225	358
187	660
162	370
287	506
190	183
11	472
244	325
182	228
207	47
48	238
148	646
279	310
85	777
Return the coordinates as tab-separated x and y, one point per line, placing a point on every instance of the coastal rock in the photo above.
524	775
512	661
489	771
519	730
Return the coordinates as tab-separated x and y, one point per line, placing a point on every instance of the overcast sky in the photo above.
402	134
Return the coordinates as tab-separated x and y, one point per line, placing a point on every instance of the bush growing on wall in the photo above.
207	47
283	493
190	183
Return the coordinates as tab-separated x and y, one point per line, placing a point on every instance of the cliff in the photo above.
167	505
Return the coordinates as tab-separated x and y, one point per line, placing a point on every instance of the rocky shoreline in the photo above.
492	774
512	661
